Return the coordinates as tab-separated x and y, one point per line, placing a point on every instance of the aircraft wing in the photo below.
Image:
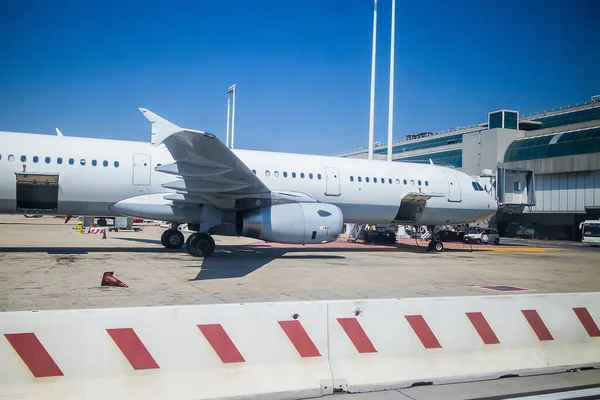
205	170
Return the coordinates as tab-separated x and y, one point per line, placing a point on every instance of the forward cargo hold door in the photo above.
37	192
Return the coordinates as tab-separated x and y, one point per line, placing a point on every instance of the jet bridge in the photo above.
37	192
515	189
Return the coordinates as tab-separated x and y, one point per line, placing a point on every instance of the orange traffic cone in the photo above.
104	234
109	280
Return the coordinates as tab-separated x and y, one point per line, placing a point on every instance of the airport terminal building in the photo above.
544	168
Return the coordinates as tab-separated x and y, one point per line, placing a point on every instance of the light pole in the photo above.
234	89
231	90
372	110
228	102
391	101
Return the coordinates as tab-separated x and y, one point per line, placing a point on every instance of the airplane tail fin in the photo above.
161	128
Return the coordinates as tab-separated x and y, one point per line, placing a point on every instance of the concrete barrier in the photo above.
292	349
273	350
382	344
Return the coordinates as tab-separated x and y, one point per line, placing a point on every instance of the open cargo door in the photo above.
37	192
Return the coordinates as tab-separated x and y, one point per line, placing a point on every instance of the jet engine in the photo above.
293	223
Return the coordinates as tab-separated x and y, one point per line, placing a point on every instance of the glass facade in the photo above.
450	157
573	117
510	120
425	144
495	120
583	141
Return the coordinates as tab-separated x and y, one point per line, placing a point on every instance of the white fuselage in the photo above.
90	180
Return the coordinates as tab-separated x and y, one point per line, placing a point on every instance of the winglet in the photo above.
161	128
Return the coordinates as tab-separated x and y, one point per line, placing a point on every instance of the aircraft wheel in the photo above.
200	245
172	239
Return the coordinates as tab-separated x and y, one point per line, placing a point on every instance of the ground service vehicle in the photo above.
590	232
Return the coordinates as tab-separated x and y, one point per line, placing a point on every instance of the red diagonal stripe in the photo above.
357	335
33	354
221	343
132	348
424	333
299	338
587	321
482	327
537	324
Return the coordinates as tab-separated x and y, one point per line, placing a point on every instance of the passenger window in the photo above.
390	181
397	181
412	182
351	179
367	179
284	174
35	159
382	180
105	163
318	176
254	171
47	159
359	179
293	174
374	180
419	182
405	182
23	158
302	175
310	176
59	160
426	183
94	163
276	173
71	161
267	173
11	157
82	161
116	164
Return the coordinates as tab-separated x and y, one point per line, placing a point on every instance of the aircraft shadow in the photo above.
239	261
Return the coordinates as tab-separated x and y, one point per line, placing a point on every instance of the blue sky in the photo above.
302	68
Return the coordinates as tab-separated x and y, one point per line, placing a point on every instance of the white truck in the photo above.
590	232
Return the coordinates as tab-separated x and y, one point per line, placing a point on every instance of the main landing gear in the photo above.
197	244
172	238
200	245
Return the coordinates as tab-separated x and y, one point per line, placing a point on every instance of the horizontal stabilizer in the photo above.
191	170
204	186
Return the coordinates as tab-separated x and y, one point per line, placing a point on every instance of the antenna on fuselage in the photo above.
431	162
58	132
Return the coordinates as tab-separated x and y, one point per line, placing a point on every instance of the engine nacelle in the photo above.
293	223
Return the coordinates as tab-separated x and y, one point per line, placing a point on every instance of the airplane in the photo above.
186	176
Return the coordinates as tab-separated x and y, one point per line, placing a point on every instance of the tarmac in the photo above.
47	264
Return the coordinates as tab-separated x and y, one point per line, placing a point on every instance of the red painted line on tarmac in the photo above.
33	354
357	335
423	331
299	338
221	343
132	348
483	328
587	321
537	324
